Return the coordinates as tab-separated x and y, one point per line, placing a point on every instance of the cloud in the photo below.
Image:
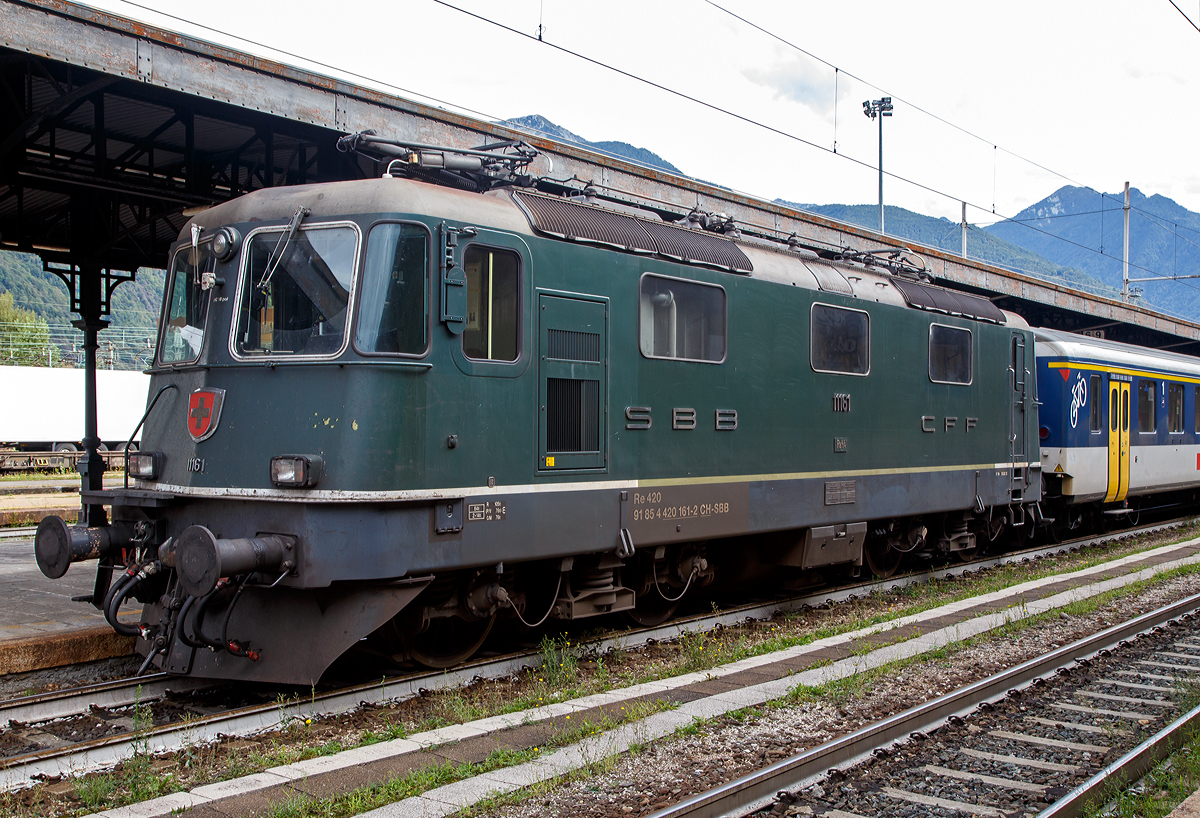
804	81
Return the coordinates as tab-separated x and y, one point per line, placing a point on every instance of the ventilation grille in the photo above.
925	297
572	415
565	345
829	279
580	222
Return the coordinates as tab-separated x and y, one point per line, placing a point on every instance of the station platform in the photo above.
40	627
25	502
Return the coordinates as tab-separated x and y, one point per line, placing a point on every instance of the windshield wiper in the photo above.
276	256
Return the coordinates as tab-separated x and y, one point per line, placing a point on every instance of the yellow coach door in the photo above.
1118	440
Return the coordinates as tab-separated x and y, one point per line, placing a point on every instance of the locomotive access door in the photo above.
1020	395
1118	440
573	356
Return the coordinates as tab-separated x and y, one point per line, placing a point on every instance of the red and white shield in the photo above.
204	412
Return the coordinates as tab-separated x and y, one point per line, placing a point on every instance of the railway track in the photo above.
1047	737
17	534
94	727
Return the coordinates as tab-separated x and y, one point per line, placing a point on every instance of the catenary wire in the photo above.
1189	19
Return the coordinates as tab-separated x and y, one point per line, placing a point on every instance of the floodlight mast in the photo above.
878	109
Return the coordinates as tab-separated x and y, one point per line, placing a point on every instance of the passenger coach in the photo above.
1117	421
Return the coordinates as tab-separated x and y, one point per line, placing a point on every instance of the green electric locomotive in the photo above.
404	408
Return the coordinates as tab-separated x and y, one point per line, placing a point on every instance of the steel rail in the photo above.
755	790
43	707
95	754
1126	769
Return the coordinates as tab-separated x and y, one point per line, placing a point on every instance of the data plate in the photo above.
841	492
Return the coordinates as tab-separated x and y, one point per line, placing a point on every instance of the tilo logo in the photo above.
1078	399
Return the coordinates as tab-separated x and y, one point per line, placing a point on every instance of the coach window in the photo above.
393	302
493	309
840	340
1096	396
1145	406
683	320
1175	408
1196	409
949	354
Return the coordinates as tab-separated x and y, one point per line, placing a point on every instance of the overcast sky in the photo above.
1095	93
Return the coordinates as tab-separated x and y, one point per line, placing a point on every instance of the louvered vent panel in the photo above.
565	345
572	415
694	245
572	220
575	221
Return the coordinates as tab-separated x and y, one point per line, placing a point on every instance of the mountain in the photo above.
134	303
947	235
622	150
124	345
1072	225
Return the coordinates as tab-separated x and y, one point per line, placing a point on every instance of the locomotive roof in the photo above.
498	210
1100	350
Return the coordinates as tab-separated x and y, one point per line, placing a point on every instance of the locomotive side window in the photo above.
296	292
187	306
684	320
1097	398
1175	408
1145	405
841	340
493	309
949	354
393	301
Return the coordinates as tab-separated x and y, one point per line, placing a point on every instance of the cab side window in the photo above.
493	304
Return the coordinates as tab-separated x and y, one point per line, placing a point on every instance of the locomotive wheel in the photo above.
651	610
881	558
448	641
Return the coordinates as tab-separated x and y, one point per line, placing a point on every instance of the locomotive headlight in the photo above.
300	470
145	465
225	243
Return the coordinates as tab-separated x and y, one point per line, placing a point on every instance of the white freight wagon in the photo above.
41	408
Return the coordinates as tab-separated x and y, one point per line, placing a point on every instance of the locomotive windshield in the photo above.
187	306
296	291
393	300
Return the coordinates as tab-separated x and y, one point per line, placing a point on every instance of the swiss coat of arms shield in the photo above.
204	412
